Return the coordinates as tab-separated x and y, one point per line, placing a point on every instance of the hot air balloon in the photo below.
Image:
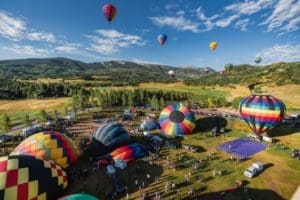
78	197
162	39
26	177
228	67
109	12
257	60
50	145
177	120
150	125
171	73
109	137
213	45
262	112
129	152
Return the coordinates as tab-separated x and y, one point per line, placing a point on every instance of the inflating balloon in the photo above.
262	112
109	12
162	39
107	138
50	145
213	45
130	152
150	125
26	177
177	120
78	197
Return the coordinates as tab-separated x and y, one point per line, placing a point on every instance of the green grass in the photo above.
270	184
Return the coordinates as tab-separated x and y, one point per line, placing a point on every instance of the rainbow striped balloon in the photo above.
177	120
262	112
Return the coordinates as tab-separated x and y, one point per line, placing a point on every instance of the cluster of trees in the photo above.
126	97
17	90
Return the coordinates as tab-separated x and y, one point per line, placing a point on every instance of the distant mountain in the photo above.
274	74
119	71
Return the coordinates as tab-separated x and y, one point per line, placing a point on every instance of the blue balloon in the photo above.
162	39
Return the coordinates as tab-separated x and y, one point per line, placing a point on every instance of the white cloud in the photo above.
171	6
180	23
41	36
66	49
207	21
226	21
285	17
16	29
280	53
180	12
249	7
242	24
28	50
10	27
110	41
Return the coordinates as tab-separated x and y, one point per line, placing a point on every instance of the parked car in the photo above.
250	172
254	169
190	148
5	138
295	154
254	137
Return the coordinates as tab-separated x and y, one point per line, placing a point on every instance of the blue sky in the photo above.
77	29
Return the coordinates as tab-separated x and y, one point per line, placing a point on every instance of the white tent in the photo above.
121	164
110	170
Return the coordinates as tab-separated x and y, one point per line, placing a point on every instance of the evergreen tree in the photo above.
130	99
5	122
55	114
26	120
124	102
66	111
43	115
162	102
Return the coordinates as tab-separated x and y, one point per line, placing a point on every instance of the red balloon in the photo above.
109	12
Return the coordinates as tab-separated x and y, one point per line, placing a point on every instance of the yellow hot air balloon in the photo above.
50	145
213	45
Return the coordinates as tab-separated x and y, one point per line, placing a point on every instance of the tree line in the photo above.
126	97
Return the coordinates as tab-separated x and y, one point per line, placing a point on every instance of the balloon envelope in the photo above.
262	112
109	137
177	120
213	45
50	145
109	12
27	177
257	60
130	152
150	125
78	197
162	39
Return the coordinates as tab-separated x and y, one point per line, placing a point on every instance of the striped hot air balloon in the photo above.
177	120
129	152
109	12
262	112
50	145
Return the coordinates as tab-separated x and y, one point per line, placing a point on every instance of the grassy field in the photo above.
289	94
278	181
16	109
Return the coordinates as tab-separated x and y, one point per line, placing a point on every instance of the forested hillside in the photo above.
277	73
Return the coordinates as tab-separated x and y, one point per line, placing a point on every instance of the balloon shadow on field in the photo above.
207	123
282	130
